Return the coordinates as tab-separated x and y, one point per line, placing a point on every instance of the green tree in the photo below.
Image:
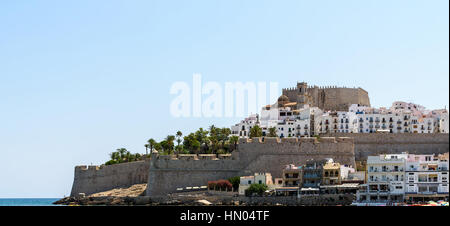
151	142
170	143
235	181
122	155
164	145
214	136
224	135
234	140
272	132
257	189
157	146
179	135
147	146
255	131
191	143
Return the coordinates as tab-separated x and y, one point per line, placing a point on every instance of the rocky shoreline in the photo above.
135	196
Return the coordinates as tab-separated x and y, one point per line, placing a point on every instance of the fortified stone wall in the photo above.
379	143
332	97
93	179
167	173
341	98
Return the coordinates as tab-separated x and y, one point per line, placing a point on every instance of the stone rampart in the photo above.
379	143
93	179
166	173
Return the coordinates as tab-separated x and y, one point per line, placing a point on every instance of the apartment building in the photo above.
385	179
312	173
426	177
331	174
292	176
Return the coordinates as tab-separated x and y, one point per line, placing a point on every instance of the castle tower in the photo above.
301	88
303	96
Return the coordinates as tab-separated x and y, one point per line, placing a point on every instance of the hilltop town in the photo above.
300	112
314	146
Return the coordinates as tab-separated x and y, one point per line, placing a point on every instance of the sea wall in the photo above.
93	179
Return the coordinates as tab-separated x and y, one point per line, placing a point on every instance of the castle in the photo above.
326	98
164	174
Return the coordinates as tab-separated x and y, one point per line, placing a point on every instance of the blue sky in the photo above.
79	79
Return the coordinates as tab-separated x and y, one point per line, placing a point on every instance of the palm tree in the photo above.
151	142
224	135
122	153
178	135
146	148
234	140
170	144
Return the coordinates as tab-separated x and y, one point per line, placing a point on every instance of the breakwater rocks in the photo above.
205	198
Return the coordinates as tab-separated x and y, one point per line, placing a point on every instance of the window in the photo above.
249	182
260	181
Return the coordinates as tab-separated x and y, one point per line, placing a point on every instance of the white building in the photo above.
426	176
242	129
443	123
401	117
257	178
385	179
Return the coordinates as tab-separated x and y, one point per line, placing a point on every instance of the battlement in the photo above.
82	167
193	157
320	87
294	140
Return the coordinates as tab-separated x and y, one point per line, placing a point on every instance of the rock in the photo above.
81	195
204	202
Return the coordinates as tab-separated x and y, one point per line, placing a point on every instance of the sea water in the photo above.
27	201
